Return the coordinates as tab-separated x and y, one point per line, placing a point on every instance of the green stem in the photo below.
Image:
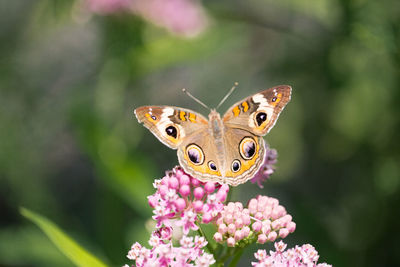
236	257
228	198
209	247
226	255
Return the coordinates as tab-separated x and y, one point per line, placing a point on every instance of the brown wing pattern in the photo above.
259	113
170	124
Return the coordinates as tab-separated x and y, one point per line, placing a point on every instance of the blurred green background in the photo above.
71	73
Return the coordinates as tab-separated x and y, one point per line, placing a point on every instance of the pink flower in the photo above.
182	197
185	18
188	221
107	6
304	256
268	168
205	260
182	17
165	254
264	216
164	233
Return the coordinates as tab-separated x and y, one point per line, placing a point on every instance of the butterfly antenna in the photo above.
195	99
228	94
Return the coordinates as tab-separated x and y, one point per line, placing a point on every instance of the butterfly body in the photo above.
226	150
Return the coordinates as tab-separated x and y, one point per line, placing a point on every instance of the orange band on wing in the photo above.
182	115
245	106
236	111
277	98
192	117
201	168
151	118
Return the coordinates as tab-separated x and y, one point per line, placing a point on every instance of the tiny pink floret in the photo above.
180	204
272	236
173	183
222	228
291	226
209	187
231	228
195	182
163	190
218	237
207	217
198	192
230	242
184	179
257	226
184	190
198	205
283	233
262	239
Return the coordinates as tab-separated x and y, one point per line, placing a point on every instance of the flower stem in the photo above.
209	247
236	257
229	252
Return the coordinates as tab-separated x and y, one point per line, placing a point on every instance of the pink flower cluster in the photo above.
163	253
107	6
268	168
186	18
304	256
182	197
263	220
182	17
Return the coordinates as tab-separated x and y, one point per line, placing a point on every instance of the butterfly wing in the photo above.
232	160
171	125
258	113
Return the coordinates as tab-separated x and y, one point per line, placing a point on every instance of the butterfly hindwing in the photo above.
233	159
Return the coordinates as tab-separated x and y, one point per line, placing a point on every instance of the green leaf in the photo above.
73	251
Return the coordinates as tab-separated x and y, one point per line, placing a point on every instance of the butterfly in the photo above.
228	149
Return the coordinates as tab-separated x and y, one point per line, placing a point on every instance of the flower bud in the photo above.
173	183
184	179
198	205
291	227
195	182
246	231
207	217
222	228
163	190
256	226
198	192
238	235
184	190
262	239
218	237
209	187
272	236
283	233
180	204
230	242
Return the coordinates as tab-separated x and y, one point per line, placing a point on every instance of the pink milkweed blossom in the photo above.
182	17
185	199
268	168
263	220
300	256
107	6
185	18
163	253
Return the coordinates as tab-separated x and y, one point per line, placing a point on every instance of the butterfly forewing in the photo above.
171	125
259	113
